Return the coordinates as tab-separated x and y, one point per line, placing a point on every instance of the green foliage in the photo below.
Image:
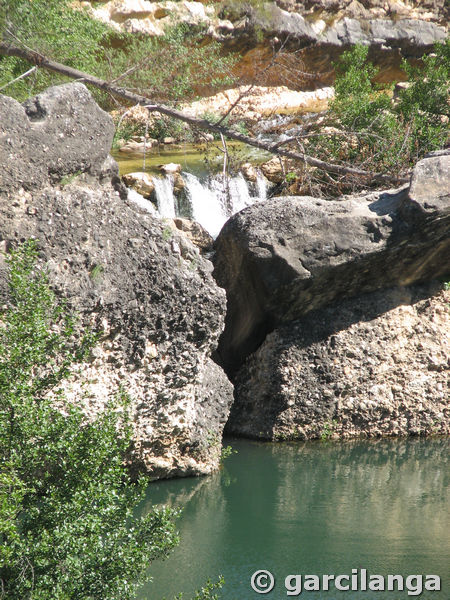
328	429
424	106
371	129
167	233
96	272
226	452
163	126
290	177
57	31
67	179
66	500
356	105
126	130
166	68
212	117
174	67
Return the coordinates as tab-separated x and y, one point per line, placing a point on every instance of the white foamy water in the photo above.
141	201
213	202
164	196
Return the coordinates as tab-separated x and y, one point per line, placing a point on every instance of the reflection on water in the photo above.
312	508
192	157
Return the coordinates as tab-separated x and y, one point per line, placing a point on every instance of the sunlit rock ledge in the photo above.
260	101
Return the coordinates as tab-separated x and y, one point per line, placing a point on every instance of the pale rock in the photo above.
195	232
170	168
261	101
141	182
159	312
249	171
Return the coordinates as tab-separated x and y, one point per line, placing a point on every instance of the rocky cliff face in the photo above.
290	255
375	365
327	330
127	273
307	35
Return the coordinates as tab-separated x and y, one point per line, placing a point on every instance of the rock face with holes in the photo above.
143	285
333	326
282	258
56	134
371	366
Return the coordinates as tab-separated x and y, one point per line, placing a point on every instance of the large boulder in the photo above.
53	135
375	365
129	275
285	257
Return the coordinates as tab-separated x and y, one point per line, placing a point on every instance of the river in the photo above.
311	508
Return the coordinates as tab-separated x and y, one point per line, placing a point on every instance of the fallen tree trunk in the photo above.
43	62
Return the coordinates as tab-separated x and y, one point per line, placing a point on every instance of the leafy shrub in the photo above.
424	106
369	129
125	131
66	500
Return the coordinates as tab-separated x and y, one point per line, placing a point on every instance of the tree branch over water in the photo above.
42	62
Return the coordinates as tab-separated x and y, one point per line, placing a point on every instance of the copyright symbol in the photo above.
262	582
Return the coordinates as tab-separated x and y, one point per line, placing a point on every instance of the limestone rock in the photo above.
272	169
261	101
309	46
249	171
59	132
376	365
430	183
141	182
195	232
135	147
151	18
170	168
144	286
282	258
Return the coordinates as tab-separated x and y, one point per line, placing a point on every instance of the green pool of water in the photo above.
314	508
193	157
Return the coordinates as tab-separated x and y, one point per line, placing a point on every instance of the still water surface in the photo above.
313	508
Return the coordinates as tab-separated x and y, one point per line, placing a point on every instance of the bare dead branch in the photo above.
29	72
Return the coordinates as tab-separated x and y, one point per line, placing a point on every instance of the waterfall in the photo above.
141	201
164	196
213	201
261	186
207	206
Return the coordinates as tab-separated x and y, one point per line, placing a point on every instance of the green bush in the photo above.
424	106
376	132
52	28
66	500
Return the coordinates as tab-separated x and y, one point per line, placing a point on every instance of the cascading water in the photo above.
164	196
211	202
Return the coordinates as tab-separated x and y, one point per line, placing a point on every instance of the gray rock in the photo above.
372	366
144	286
56	133
430	185
407	34
280	259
